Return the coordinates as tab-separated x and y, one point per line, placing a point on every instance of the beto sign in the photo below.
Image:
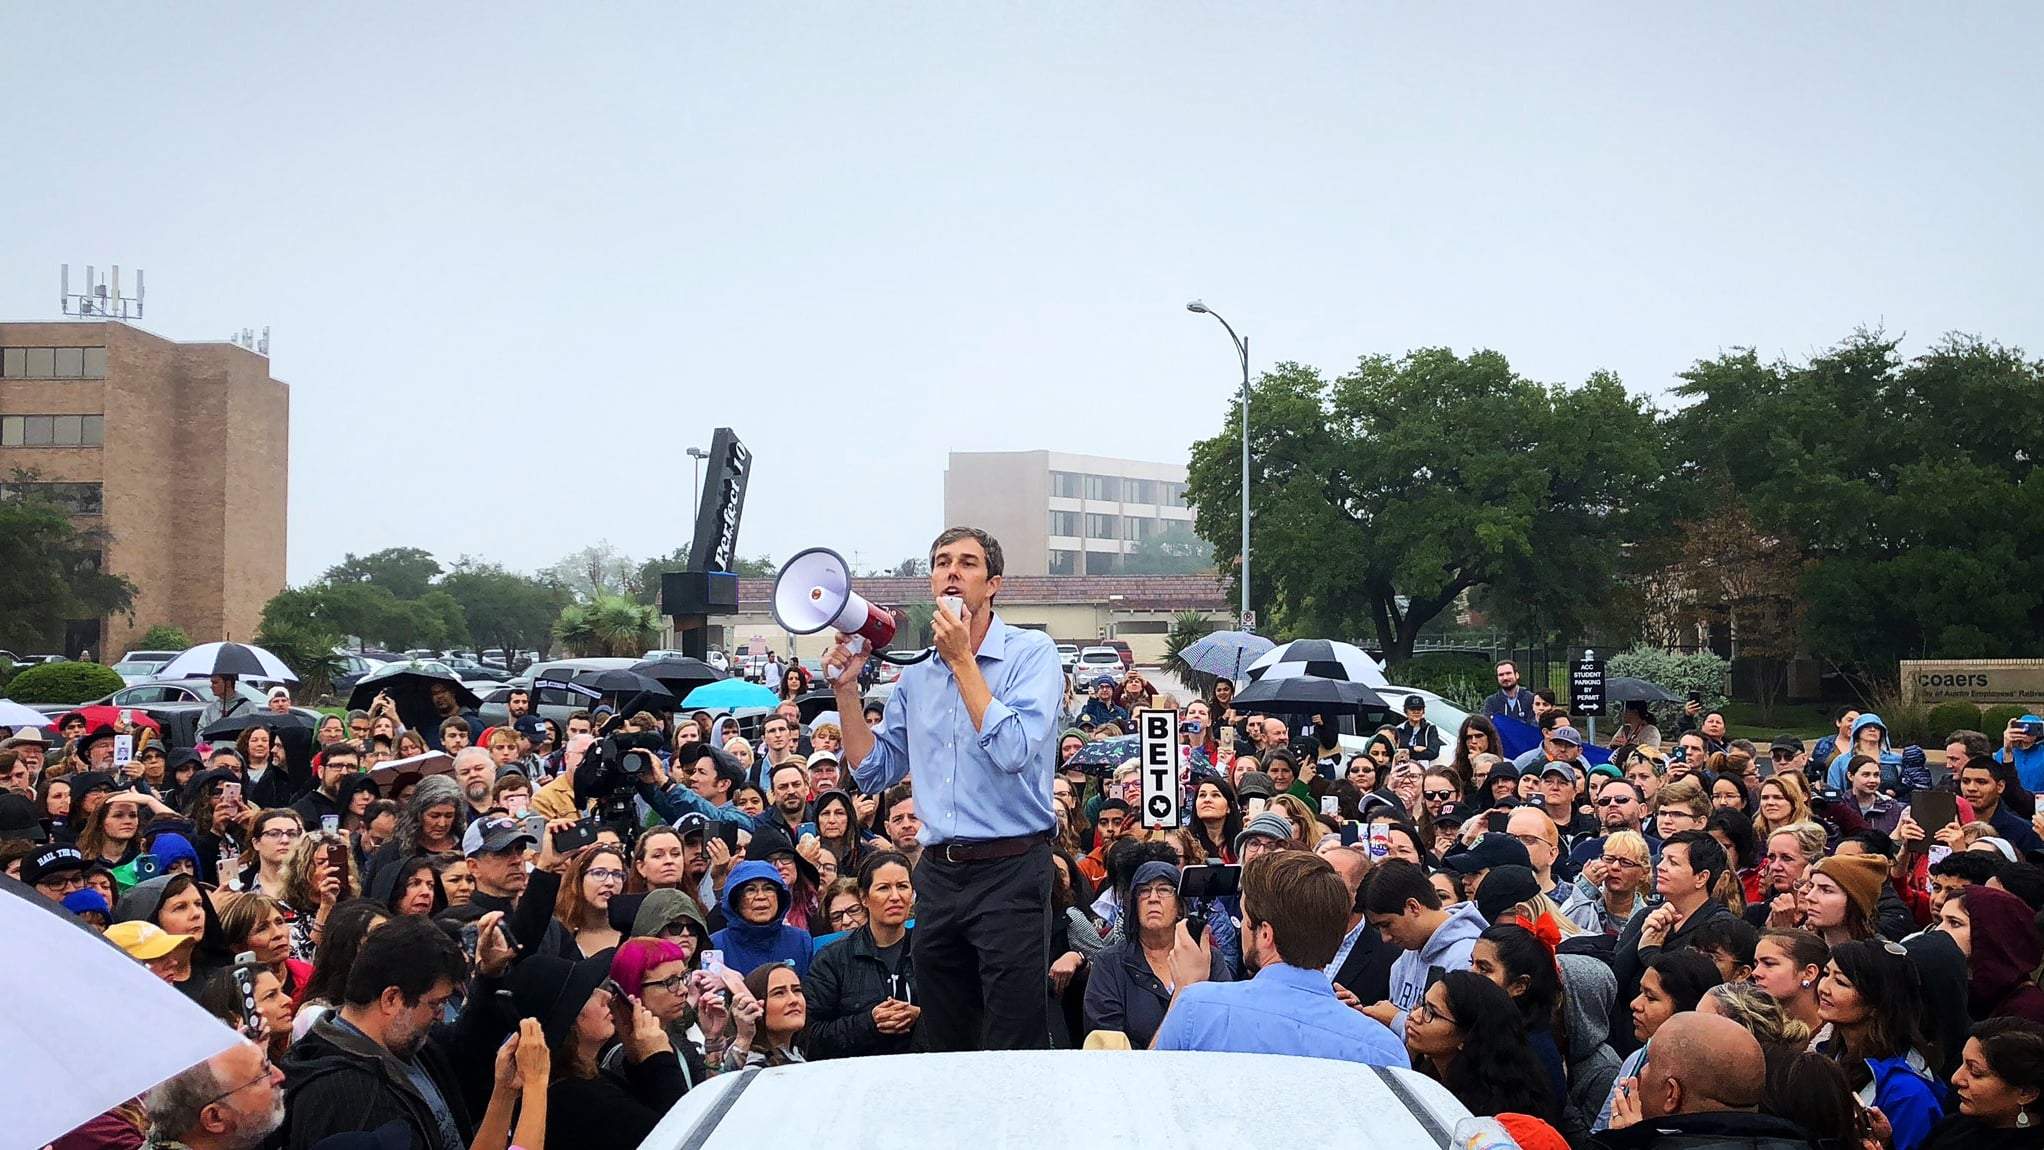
1157	754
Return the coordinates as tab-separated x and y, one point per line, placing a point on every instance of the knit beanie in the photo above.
1860	876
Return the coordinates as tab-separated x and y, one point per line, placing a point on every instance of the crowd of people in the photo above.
1693	944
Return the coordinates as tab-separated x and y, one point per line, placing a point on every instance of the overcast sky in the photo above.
514	263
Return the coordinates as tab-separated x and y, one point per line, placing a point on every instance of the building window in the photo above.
53	363
1064	563
1103	526
73	498
1138	530
1102	562
1174	495
1141	490
1104	487
51	430
1143	627
1064	523
1066	485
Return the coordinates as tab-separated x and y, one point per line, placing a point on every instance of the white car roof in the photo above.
992	1100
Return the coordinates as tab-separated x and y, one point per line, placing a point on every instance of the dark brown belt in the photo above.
986	850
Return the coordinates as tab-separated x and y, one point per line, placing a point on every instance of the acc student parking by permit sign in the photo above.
1157	754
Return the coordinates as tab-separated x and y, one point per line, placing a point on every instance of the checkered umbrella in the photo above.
1320	659
1225	654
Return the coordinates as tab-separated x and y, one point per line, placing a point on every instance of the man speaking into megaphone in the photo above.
975	723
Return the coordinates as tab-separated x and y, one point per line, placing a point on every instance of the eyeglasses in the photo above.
605	874
852	913
672	984
1425	1012
269	1068
281	834
1533	840
1615	861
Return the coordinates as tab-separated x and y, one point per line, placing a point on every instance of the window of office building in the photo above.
1104	487
1136	530
1174	494
51	430
1064	523
1066	485
1103	526
73	498
1063	563
53	363
1140	490
1102	562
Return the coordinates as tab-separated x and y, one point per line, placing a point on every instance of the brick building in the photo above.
179	452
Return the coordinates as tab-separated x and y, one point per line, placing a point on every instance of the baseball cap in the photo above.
85	782
1504	888
494	834
18	818
50	861
692	824
1269	824
1492	850
280	693
1455	812
1415	703
823	757
1605	770
144	940
1569	735
531	726
1788	743
1102	681
1557	767
25	737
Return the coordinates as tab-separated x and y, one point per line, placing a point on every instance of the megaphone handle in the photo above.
856	644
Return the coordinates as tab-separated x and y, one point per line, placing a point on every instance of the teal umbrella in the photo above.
730	695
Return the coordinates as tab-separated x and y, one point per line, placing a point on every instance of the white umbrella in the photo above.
1322	659
209	659
86	1027
13	714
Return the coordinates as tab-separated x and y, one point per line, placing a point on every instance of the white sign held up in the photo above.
1162	769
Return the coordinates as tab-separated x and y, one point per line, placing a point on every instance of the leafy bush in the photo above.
1909	726
1702	672
1998	718
163	637
63	683
1952	716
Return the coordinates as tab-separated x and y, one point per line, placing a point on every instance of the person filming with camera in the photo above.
977	721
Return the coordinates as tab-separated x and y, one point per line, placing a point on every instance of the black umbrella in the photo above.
1626	689
1306	695
277	722
410	686
641	692
679	674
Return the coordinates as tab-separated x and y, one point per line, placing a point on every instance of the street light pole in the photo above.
696	486
1241	351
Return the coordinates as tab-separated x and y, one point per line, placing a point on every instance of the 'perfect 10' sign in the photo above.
1157	752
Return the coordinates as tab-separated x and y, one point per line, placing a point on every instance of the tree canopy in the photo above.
50	574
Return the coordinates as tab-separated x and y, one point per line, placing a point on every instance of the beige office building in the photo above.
178	452
1058	514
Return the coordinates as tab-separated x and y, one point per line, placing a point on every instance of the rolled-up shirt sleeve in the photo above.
1020	718
887	762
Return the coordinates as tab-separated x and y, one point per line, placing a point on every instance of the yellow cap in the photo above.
145	941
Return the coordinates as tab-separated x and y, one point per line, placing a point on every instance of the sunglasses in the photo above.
1439	796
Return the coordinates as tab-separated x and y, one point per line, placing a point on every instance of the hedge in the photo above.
1952	716
1701	672
1997	720
63	683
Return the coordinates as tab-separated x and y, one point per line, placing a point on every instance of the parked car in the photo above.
1069	1097
471	671
1128	657
175	704
1094	662
141	666
353	667
551	702
1067	656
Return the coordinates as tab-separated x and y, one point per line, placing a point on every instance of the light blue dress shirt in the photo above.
974	784
1283	1010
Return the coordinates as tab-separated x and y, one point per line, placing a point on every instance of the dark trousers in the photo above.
983	952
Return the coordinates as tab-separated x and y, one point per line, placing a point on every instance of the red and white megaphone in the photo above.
814	591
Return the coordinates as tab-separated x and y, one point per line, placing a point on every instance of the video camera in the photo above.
611	772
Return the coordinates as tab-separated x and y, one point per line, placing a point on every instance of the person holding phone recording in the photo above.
976	721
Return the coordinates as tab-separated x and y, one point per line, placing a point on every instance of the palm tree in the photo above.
608	625
1187	628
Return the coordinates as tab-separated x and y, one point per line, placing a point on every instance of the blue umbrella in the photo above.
730	695
1225	654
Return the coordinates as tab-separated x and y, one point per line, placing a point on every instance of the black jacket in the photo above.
279	787
1717	1130
1366	972
336	1081
314	805
847	979
1629	960
1124	994
613	1111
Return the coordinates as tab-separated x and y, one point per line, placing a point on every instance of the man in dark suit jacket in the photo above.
1363	964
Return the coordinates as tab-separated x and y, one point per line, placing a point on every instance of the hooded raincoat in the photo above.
748	946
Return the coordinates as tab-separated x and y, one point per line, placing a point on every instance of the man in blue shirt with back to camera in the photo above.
1295	912
976	723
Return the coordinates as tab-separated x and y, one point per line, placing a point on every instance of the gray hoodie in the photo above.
1447	948
1588	990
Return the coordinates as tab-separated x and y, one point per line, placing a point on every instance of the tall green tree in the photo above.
502	608
1176	550
50	574
405	572
1380	497
1911	485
